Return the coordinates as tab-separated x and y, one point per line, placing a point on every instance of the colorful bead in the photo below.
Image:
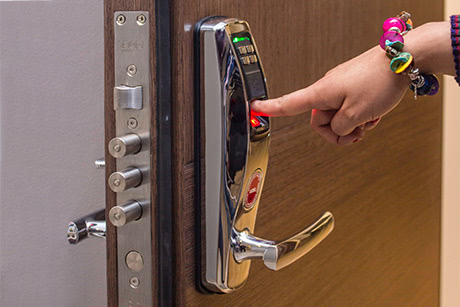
434	85
429	85
395	45
391	36
394	22
409	24
401	62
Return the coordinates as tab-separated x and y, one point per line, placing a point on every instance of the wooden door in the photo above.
384	191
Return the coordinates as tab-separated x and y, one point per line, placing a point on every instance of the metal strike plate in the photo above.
133	116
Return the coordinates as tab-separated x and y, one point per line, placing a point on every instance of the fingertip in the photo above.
257	107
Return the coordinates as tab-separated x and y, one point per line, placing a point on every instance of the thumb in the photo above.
291	104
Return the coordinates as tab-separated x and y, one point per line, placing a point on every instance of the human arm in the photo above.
352	97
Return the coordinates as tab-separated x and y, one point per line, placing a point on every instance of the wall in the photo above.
51	126
450	251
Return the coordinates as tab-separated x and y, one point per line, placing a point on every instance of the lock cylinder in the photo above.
125	145
126	179
126	213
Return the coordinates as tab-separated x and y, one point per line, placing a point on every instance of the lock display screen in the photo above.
249	60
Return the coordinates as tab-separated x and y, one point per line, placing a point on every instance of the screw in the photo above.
121	19
134	282
131	70
141	20
132	123
116	182
117	147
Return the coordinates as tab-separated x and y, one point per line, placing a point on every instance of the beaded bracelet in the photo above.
392	42
455	37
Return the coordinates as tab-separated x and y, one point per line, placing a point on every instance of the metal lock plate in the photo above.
133	116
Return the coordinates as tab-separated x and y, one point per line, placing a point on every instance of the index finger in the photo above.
301	101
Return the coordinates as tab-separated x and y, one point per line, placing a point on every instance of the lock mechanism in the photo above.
131	213
231	156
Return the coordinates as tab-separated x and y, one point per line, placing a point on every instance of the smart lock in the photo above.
231	157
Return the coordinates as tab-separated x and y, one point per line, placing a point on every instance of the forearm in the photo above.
430	44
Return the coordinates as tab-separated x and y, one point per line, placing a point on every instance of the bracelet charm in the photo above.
392	42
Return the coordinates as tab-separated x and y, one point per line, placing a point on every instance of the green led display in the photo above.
240	39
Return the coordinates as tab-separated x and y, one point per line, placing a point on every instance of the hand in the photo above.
353	97
348	100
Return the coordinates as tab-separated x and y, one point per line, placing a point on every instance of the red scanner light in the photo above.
255	122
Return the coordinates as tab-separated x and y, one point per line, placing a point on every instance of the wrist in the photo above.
430	44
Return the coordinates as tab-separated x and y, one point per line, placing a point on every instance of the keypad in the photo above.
242	50
247	53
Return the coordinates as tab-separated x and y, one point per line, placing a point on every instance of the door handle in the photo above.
91	225
232	156
277	255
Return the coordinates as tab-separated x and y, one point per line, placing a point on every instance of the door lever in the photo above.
90	225
277	255
231	159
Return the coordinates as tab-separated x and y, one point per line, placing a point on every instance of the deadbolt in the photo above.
125	145
126	179
126	213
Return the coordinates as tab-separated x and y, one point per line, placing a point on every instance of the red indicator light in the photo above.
255	122
253	113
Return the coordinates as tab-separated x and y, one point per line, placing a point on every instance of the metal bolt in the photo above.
131	70
117	147
134	261
100	163
116	182
121	19
132	123
141	20
134	282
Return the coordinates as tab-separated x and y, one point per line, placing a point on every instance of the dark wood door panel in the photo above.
384	191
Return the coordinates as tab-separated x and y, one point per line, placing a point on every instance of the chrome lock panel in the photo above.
131	147
231	157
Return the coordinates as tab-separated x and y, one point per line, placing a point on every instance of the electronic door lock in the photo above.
91	225
233	142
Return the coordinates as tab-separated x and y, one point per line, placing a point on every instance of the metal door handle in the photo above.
90	225
232	147
277	255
